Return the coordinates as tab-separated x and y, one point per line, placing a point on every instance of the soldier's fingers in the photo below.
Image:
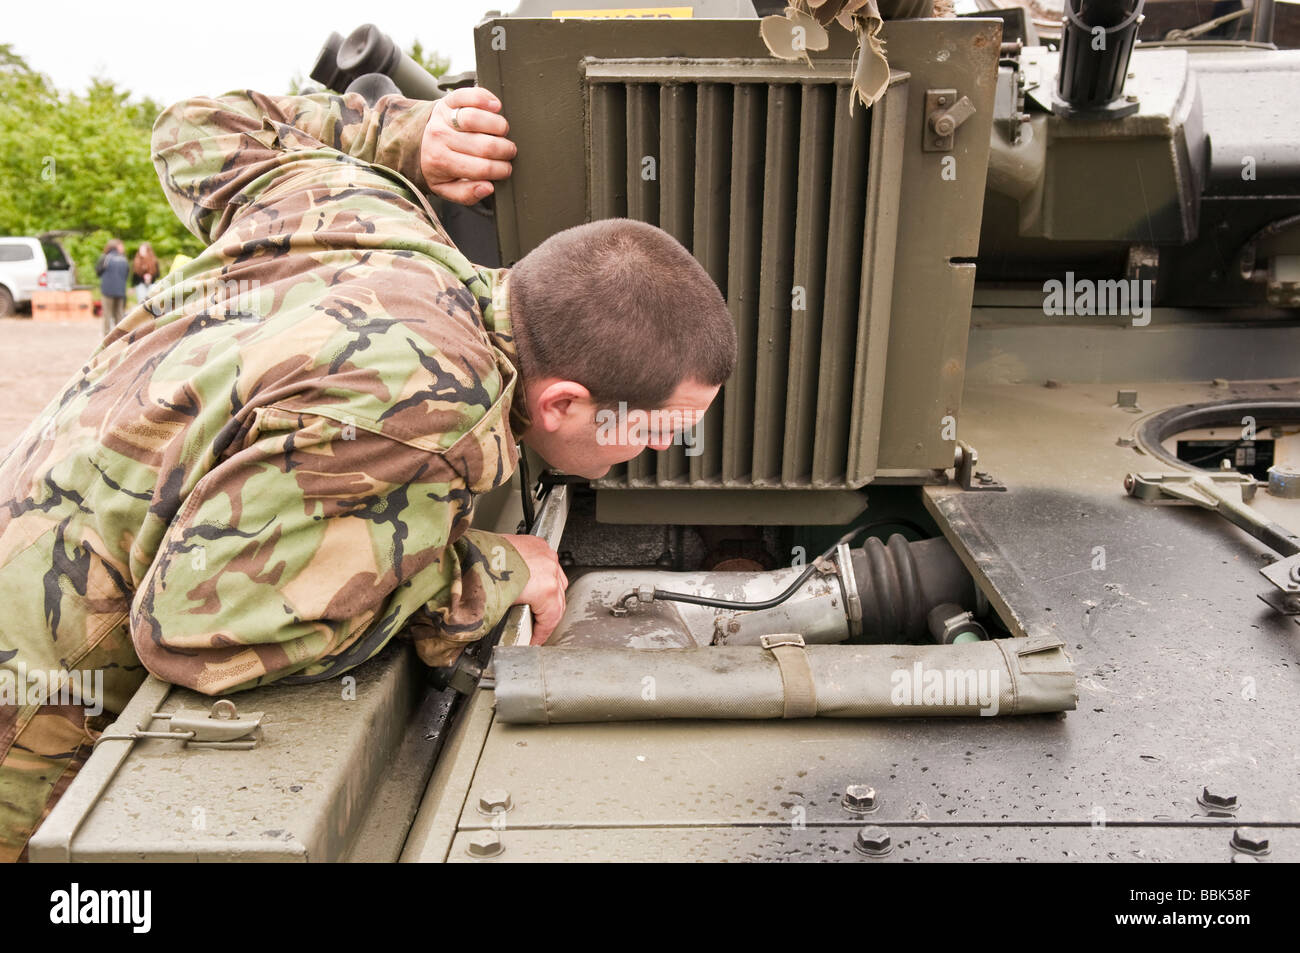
555	606
457	165
470	119
478	144
475	96
464	192
540	629
544	623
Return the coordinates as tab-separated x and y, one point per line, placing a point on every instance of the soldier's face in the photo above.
576	435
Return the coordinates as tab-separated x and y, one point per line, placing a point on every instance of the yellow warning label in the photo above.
678	13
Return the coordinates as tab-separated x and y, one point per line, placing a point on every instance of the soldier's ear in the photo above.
555	402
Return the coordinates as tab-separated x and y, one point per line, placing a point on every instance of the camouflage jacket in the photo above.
269	468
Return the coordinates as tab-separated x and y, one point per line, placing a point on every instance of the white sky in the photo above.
172	50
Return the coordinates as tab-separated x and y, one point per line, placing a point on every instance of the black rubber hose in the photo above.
900	582
755	606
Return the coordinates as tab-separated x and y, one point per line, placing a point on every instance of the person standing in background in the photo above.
144	270
112	269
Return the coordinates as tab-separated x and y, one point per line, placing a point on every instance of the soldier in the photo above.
269	471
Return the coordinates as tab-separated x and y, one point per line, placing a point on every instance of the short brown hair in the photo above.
623	309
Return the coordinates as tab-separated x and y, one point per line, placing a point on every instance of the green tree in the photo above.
81	162
431	60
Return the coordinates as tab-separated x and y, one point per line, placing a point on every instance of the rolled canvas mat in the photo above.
539	685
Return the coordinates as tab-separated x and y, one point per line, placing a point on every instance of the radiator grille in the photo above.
762	172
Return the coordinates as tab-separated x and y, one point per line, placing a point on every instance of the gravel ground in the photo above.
36	359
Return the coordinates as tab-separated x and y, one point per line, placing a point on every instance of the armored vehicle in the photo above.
910	591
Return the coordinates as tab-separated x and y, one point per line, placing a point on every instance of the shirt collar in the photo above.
497	323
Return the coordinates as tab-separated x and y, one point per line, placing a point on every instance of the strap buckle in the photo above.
776	641
798	688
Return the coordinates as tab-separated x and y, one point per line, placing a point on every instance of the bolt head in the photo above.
873	841
860	799
1250	840
944	126
484	844
494	801
1218	799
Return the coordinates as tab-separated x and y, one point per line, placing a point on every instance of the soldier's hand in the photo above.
546	585
460	164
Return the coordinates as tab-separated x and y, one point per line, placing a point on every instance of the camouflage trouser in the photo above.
36	766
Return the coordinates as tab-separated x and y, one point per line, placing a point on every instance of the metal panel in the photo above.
301	795
925	364
607	194
772	348
781	839
793	183
748	138
930	292
876	293
642	160
816	142
777	506
712	195
1172	607
676	211
843	273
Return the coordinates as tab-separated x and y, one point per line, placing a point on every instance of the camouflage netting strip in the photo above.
539	685
802	27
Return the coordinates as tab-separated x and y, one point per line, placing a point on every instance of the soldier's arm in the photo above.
307	550
216	155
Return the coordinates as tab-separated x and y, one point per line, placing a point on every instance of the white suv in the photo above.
32	264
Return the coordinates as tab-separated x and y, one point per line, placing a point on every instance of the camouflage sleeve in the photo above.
305	552
215	156
442	628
